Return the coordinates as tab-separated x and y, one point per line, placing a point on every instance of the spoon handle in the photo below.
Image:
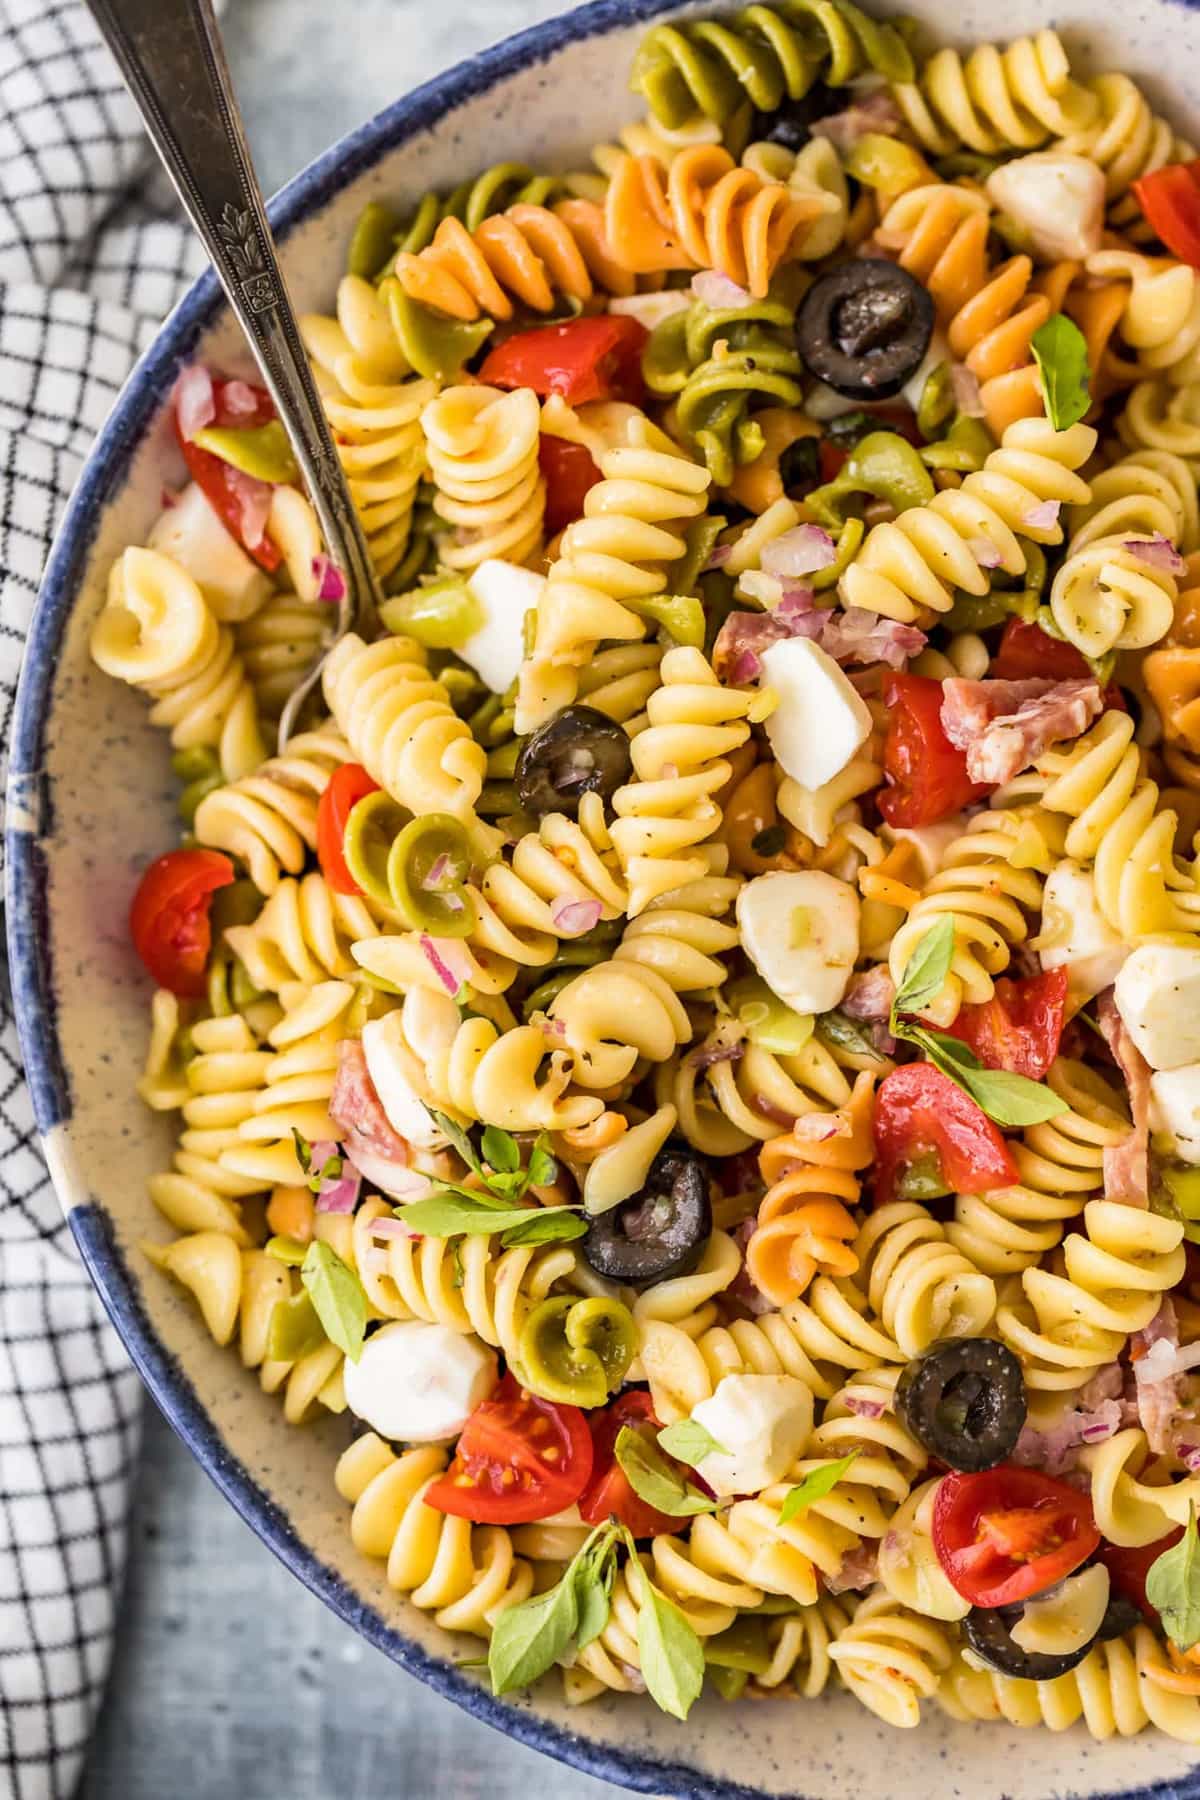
171	57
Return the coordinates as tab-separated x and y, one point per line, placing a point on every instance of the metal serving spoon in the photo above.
171	56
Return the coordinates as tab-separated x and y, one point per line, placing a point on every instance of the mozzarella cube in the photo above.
505	592
820	720
1057	197
417	1383
1067	1618
801	933
1175	1109
939	352
192	535
762	1423
390	1067
1158	996
1076	935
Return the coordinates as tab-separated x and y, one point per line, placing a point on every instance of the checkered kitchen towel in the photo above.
92	255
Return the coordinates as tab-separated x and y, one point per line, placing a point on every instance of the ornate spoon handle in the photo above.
171	56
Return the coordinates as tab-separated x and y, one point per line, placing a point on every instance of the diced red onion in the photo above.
861	636
718	557
331	583
573	918
439	965
1098	1431
340	1194
866	1409
168	498
388	1228
1043	516
964	384
453	902
1158	552
707	1056
239	398
801	551
984	552
254	501
436	872
718	291
392	1178
1163	1360
1189	1456
795	603
877	114
195	401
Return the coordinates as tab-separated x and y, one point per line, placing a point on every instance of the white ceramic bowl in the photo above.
90	801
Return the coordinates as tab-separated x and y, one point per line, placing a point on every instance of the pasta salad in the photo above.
692	1050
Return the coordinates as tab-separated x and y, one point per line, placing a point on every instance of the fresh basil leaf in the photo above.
500	1150
593	1589
546	1225
469	1215
337	1297
688	1442
839	1032
509	1184
458	1137
1060	352
1011	1100
816	1484
653	1479
542	1168
1173	1587
529	1638
926	969
669	1652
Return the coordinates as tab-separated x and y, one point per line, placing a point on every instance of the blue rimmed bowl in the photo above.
90	801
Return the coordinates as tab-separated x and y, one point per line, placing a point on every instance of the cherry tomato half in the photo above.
347	786
1019	1028
1010	1533
519	1458
927	777
1170	199
238	403
608	1493
169	917
921	1116
1128	1567
570	473
1028	653
584	359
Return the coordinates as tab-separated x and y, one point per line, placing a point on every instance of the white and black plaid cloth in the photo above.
92	254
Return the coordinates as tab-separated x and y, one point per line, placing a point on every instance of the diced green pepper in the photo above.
576	1351
259	450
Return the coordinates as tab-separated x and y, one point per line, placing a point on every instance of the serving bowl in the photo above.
91	800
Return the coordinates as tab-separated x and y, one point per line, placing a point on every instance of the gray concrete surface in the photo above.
231	1682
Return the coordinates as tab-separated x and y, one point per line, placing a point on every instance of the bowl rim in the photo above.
29	815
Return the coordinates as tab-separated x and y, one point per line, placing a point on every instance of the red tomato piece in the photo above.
1170	199
239	405
570	472
1010	1533
608	1493
833	459
920	1114
927	777
1128	1567
1027	652
519	1458
169	919
585	359
1019	1028
347	786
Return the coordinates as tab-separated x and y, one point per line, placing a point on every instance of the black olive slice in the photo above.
1120	1616
791	124
964	1399
579	751
662	1231
988	1630
864	328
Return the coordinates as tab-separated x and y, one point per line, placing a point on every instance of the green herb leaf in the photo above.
653	1479
669	1652
546	1225
593	1587
689	1442
839	1032
1173	1587
816	1484
303	1150
459	1139
1060	352
337	1296
542	1168
926	969
1011	1100
500	1150
529	1638
509	1184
